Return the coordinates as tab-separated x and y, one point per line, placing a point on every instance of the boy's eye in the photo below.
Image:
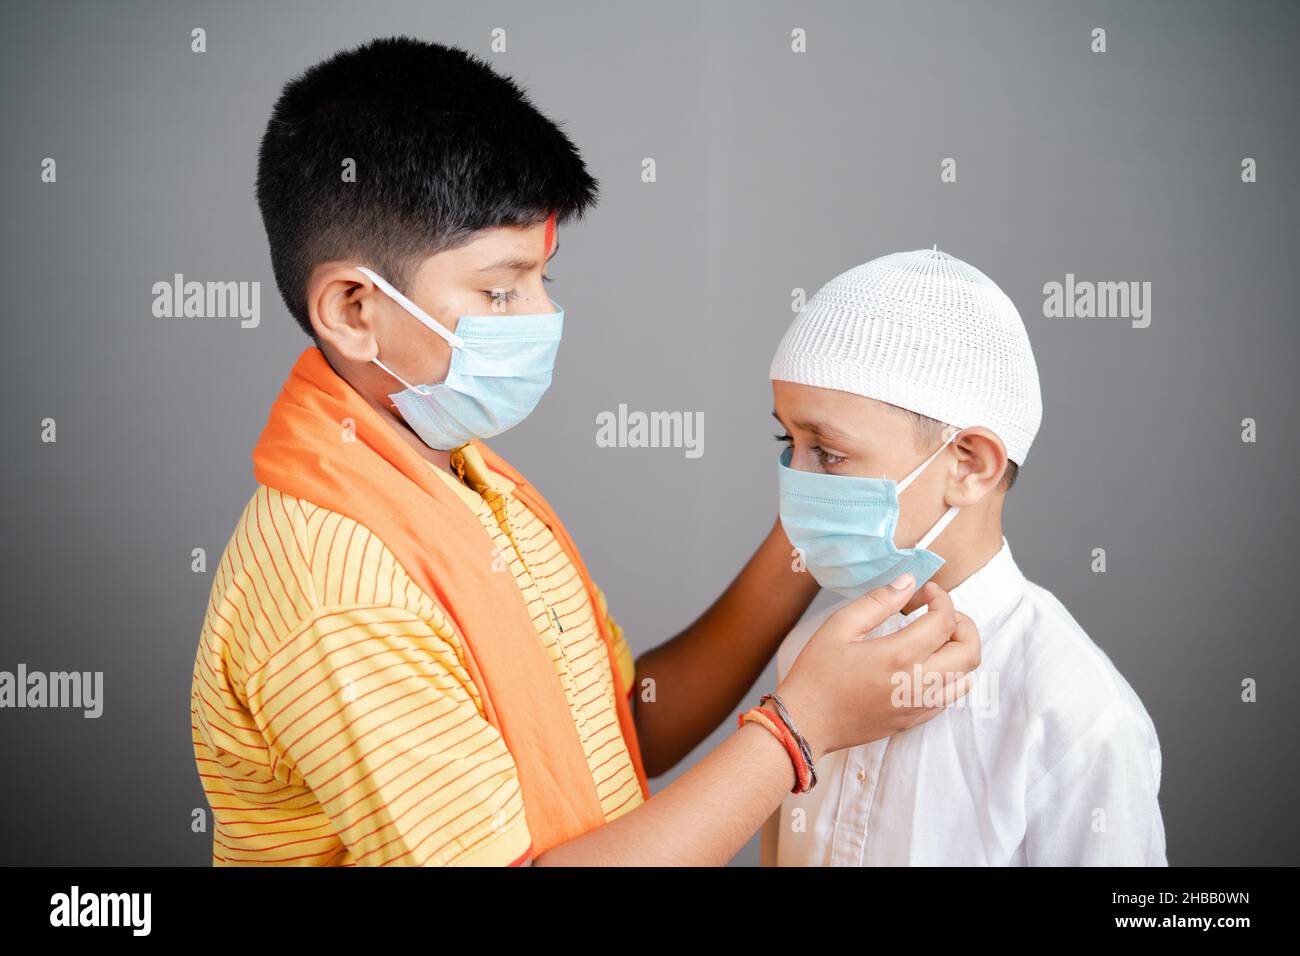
499	297
547	278
826	458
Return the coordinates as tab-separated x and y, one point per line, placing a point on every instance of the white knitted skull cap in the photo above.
924	331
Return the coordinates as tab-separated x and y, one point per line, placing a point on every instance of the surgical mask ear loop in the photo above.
916	472
948	515
419	389
938	528
451	338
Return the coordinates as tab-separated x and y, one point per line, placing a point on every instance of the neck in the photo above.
441	459
360	376
966	545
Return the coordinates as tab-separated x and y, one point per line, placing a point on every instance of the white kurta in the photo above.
1051	761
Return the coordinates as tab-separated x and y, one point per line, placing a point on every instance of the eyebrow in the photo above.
818	428
517	265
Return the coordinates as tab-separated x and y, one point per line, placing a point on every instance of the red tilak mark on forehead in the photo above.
550	234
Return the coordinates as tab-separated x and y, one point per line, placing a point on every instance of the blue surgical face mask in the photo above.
500	368
844	528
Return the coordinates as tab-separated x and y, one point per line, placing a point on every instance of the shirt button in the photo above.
862	775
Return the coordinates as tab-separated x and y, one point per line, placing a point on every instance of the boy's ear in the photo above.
981	462
343	306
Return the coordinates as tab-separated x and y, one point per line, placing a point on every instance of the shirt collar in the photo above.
987	592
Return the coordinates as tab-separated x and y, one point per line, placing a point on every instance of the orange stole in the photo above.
378	480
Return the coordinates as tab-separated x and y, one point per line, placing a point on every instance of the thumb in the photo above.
868	612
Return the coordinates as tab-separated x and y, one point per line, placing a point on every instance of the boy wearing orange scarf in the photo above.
404	659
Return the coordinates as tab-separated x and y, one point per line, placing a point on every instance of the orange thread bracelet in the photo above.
778	730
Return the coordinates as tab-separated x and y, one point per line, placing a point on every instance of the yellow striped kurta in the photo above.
334	721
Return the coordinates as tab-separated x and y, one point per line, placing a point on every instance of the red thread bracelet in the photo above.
779	731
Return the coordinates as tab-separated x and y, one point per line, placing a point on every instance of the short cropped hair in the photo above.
442	147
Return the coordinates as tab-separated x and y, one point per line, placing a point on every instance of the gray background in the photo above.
775	171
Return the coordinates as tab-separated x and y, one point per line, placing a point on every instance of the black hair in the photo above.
443	147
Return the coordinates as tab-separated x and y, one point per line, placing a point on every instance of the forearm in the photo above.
770	834
701	675
842	693
702	819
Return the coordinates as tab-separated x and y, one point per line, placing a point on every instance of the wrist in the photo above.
757	729
779	725
806	717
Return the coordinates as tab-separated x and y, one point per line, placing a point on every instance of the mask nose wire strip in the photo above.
451	338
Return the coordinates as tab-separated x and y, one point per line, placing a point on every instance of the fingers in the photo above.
957	688
868	612
962	651
952	692
916	642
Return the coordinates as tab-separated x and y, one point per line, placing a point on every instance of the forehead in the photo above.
496	243
800	405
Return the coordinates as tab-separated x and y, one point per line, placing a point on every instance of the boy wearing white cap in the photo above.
913	373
